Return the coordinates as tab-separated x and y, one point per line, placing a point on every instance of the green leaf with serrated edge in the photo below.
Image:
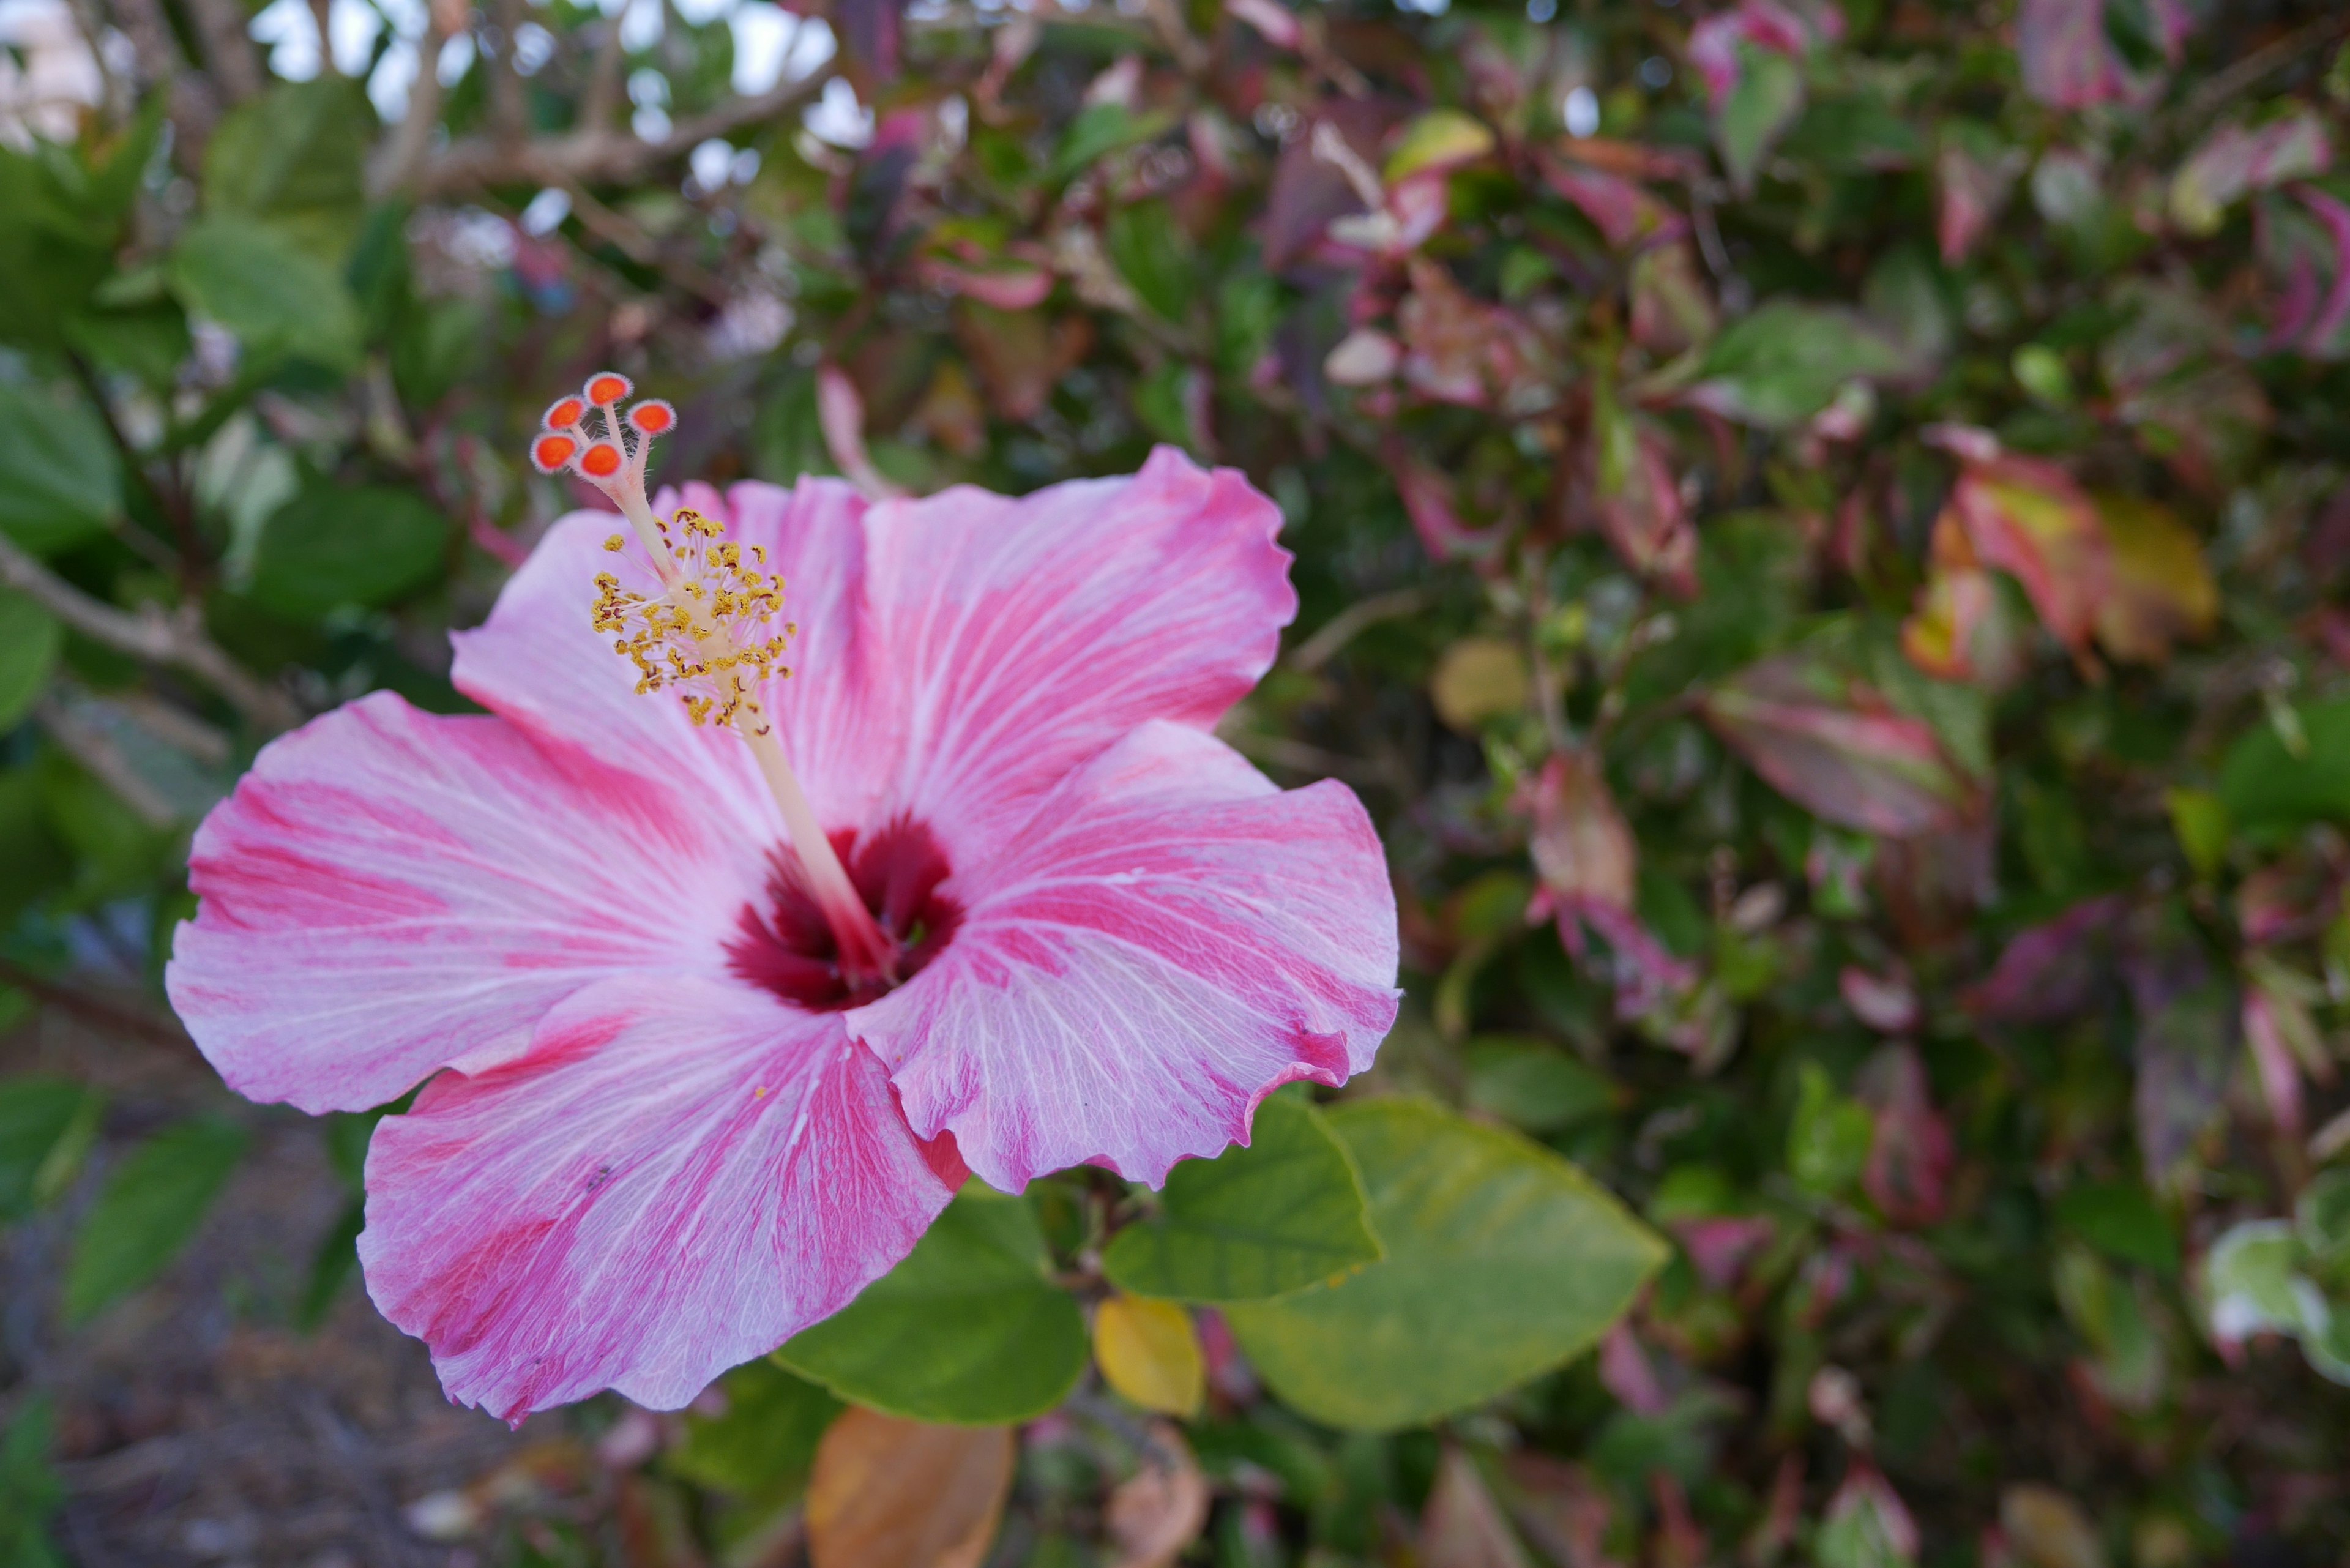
47	1126
1503	1261
968	1330
1282	1213
765	1441
148	1212
29	638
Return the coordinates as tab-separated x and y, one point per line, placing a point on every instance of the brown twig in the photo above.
176	640
595	155
137	1023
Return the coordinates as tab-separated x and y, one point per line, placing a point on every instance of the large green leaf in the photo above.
47	1126
1768	96
1279	1214
2268	788
968	1330
64	484
1503	1261
277	297
295	159
29	637
148	1212
329	547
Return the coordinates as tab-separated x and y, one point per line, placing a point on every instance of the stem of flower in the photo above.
863	949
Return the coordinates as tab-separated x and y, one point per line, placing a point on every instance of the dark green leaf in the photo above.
1503	1261
1784	363
294	157
47	1126
2119	1218
331	1267
1278	1215
328	547
63	482
29	1493
765	1443
29	637
969	1330
1534	1085
150	1210
2269	787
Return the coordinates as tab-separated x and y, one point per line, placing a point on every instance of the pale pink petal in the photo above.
390	892
1021	637
683	1174
540	663
1166	942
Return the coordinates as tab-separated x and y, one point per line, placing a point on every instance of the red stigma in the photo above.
606	387
601	461
652	417
549	453
564	413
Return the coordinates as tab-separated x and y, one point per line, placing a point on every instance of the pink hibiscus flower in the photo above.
730	972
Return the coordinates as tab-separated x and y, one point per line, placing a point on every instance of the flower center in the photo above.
710	638
784	943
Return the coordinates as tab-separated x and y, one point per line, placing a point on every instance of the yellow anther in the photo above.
707	639
615	544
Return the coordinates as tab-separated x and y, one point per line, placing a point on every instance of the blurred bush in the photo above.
1822	531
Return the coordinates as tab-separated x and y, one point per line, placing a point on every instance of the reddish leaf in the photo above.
2233	161
893	1493
1582	849
1562	1510
1427	500
1623	213
1455	349
1910	1152
1962	628
1837	749
1974	177
1160	1509
2067	61
2029	519
1463	1526
2049	972
1639	500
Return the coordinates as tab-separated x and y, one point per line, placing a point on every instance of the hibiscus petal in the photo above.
390	892
1019	638
539	661
681	1174
1167	941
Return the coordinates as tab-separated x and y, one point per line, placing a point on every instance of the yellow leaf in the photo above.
1438	139
1478	678
888	1493
2162	591
1148	1353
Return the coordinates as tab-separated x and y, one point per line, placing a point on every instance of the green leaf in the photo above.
34	860
47	1126
296	158
29	1493
2198	819
2321	1216
29	638
1154	254
277	298
765	1444
329	546
1439	139
1101	128
1766	99
1533	1085
2250	1279
148	1212
64	484
1784	363
331	1267
1284	1213
2268	788
1828	1138
1503	1261
969	1330
2119	1218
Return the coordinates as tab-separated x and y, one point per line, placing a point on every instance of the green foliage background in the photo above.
1822	530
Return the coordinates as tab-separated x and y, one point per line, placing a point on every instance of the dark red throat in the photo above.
784	943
